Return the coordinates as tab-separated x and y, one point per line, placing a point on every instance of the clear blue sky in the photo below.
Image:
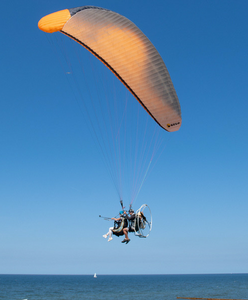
53	185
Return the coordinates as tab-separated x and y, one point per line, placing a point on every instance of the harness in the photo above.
119	226
132	225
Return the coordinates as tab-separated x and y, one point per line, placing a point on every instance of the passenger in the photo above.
118	220
130	228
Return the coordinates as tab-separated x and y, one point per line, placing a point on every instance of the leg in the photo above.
126	240
125	230
109	233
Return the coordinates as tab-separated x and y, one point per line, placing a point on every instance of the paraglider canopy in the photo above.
127	52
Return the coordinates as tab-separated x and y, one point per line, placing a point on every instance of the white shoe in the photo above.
110	239
105	236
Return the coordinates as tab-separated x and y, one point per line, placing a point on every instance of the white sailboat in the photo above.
95	275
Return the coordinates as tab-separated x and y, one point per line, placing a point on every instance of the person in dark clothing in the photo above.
130	228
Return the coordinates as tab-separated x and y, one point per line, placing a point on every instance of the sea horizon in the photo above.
134	286
127	274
